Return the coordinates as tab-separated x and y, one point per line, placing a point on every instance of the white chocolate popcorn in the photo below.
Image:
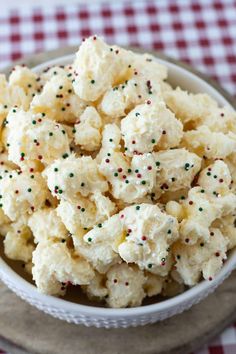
71	177
22	194
85	213
96	290
87	131
204	259
144	77
212	200
154	284
97	67
148	236
100	245
46	224
189	107
209	144
54	264
33	137
125	286
176	170
227	226
18	243
58	100
200	109
149	127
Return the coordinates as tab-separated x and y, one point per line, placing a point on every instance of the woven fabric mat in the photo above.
24	329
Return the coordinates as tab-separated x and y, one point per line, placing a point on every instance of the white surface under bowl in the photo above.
114	318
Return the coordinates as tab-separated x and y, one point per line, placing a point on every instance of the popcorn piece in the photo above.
97	67
125	286
227	226
88	130
201	109
100	245
96	290
85	213
153	285
216	178
149	127
176	170
25	78
130	181
145	75
206	203
33	137
149	233
22	194
209	144
54	263
46	224
201	258
18	243
58	100
189	107
71	177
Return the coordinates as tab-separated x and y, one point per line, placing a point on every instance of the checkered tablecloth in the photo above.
202	33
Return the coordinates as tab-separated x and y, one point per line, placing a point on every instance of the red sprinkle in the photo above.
119	169
40	157
139	175
144	238
190	202
122	216
149	168
221	180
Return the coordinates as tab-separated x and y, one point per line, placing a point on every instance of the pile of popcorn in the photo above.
112	180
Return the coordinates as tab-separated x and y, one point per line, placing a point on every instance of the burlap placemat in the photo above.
24	329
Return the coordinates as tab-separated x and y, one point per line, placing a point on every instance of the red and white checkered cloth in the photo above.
202	33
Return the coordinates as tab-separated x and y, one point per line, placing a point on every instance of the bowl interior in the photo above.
177	76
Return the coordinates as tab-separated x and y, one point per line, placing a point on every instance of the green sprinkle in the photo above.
136	171
82	209
149	265
187	166
14	110
89	239
32	176
215	176
153	141
126	181
116	174
137	207
43	114
208	173
74	130
202	191
82	184
71	175
22	154
99	225
55	169
158	163
0	205
63	132
200	209
143	182
29	190
65	156
92	81
50	134
169	231
110	140
60	87
182	197
60	191
34	122
129	170
173	179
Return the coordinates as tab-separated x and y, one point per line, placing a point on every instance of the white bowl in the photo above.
106	317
